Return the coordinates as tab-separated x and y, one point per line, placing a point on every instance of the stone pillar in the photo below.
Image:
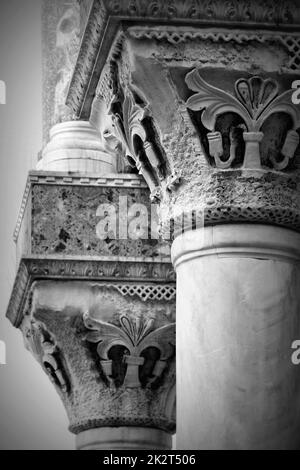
201	101
238	303
98	311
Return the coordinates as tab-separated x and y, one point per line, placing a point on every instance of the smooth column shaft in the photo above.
238	313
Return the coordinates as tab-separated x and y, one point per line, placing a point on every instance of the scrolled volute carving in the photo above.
133	339
256	99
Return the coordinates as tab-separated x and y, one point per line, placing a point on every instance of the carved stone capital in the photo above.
206	117
109	355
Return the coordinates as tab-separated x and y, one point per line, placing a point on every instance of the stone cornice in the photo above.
122	274
106	18
67	179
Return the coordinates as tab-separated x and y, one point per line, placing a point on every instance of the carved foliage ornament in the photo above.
134	338
255	100
43	347
136	131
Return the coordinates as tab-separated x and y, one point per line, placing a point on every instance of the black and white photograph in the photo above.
150	228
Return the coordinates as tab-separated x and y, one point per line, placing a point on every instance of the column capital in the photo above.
109	354
204	114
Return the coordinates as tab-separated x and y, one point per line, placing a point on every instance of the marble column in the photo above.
238	303
96	307
97	312
76	146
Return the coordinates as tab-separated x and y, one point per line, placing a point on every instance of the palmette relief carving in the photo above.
133	133
134	127
133	354
44	348
256	99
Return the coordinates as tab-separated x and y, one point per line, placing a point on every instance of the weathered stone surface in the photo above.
61	215
235	196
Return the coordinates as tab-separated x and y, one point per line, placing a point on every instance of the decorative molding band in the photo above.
257	11
117	421
243	240
64	179
106	16
145	292
147	279
114	179
291	41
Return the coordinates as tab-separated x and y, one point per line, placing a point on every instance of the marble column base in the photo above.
123	438
238	313
75	146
